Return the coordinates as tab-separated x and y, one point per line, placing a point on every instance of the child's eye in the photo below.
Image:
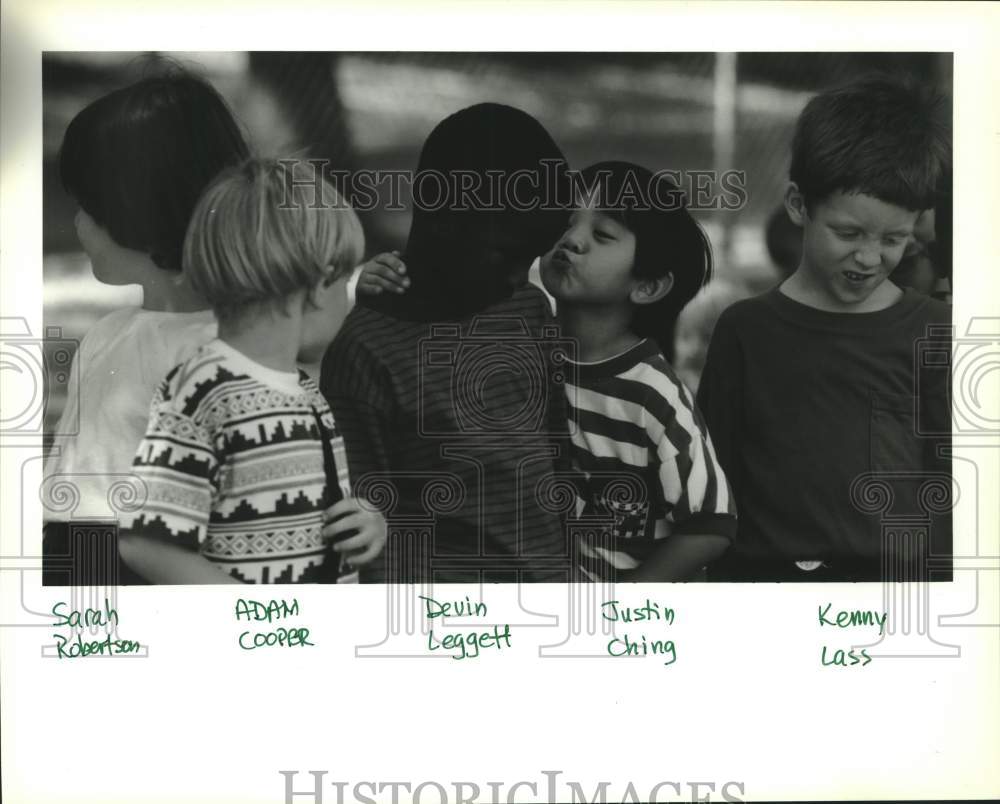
846	234
893	242
600	234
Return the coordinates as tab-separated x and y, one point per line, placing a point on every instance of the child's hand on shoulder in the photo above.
383	272
352	514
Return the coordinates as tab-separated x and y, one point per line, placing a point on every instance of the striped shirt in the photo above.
646	464
458	419
237	463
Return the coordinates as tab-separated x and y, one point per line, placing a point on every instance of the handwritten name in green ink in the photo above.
87	617
106	646
626	645
464	645
850	618
255	610
75	647
625	614
453	609
270	611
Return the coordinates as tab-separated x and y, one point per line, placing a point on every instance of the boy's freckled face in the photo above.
851	243
592	262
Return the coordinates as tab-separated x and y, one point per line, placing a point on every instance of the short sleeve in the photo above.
177	464
695	490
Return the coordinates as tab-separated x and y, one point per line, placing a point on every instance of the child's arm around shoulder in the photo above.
384	272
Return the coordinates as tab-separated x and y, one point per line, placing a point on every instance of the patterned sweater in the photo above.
238	462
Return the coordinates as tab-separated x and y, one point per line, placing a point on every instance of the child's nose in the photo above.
571	241
868	256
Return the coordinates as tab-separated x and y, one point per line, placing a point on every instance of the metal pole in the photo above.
724	142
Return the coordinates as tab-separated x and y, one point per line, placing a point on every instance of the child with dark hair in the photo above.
811	387
631	259
450	381
621	273
136	161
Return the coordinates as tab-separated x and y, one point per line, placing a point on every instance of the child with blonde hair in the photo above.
245	473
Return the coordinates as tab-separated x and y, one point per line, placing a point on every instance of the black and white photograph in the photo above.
499	402
616	316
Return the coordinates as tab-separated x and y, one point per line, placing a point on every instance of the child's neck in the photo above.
270	339
600	332
167	293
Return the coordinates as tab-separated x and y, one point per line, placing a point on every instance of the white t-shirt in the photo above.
116	370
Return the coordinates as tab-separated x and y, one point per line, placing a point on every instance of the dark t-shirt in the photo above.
833	430
456	425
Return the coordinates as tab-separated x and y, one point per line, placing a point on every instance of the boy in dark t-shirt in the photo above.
812	392
443	394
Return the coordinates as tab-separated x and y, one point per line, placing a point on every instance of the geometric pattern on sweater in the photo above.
235	467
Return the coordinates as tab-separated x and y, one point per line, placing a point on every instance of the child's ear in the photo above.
795	204
311	299
329	279
647	291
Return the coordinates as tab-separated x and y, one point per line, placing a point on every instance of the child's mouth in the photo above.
857	279
561	260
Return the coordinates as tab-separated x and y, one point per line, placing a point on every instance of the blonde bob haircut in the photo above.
265	230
